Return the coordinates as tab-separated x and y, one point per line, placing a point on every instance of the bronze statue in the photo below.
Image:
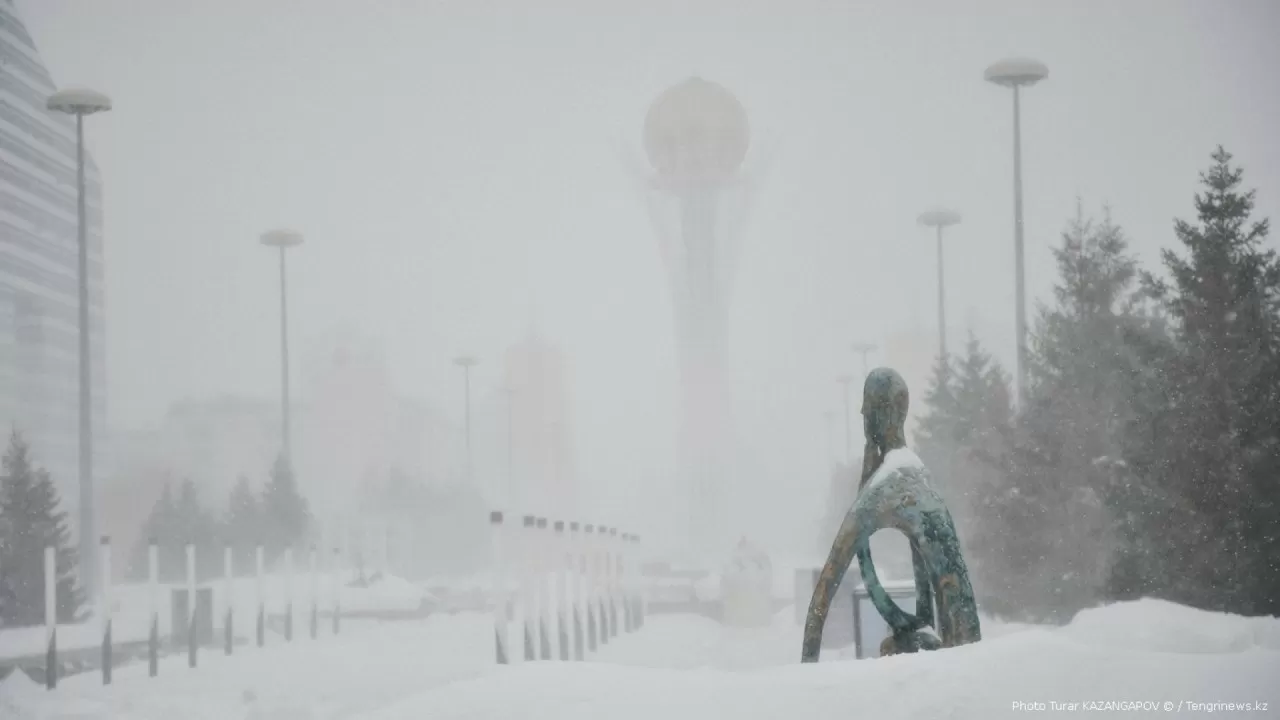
895	493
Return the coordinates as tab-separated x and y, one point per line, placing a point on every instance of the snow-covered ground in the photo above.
681	666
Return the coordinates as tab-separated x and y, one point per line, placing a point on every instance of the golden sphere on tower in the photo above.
696	132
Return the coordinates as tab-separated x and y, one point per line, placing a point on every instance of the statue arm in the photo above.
842	552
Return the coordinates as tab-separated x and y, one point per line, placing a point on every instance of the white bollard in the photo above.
153	598
191	605
500	599
624	581
288	594
528	594
573	575
315	593
563	604
51	617
104	607
228	614
600	554
611	578
544	595
589	587
335	580
642	587
259	562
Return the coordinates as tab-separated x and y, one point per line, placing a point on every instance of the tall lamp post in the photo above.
283	240
845	381
466	362
80	102
1017	73
938	219
864	349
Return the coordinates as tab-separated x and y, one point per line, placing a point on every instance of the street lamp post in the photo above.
283	240
845	381
938	219
1016	73
81	102
864	349
466	362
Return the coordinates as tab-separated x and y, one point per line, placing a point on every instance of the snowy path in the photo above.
682	666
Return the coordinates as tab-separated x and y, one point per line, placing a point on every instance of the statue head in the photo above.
884	416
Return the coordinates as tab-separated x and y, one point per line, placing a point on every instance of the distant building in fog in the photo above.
39	296
545	477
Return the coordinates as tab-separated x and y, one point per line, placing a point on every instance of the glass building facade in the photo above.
39	301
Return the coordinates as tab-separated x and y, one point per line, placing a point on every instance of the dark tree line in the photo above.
277	517
1145	459
31	519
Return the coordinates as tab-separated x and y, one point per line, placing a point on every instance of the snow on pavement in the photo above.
682	666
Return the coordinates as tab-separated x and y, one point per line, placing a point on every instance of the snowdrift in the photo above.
692	667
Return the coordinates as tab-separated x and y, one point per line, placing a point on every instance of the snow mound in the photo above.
1165	627
386	593
17	687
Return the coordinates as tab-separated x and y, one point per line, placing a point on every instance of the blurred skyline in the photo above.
464	172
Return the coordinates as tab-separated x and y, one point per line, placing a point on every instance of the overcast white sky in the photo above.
457	165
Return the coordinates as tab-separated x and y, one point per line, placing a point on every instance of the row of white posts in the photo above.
569	581
104	609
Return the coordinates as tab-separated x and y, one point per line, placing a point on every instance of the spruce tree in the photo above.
242	527
1072	427
164	526
1220	429
936	435
196	525
29	505
285	515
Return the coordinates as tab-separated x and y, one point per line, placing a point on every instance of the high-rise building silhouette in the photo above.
39	325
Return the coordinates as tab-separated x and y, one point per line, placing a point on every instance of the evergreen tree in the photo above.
936	435
961	439
32	521
196	525
163	526
1071	426
1220	429
242	527
285	516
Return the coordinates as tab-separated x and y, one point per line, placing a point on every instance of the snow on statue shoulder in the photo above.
896	493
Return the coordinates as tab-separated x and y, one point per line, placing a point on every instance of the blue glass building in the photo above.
39	350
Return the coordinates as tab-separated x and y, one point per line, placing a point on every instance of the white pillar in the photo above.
229	601
104	607
260	570
335	582
563	603
153	601
528	592
611	558
592	614
500	598
288	594
544	595
574	578
315	593
642	584
191	605
51	617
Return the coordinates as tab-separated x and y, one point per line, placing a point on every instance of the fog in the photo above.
466	173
